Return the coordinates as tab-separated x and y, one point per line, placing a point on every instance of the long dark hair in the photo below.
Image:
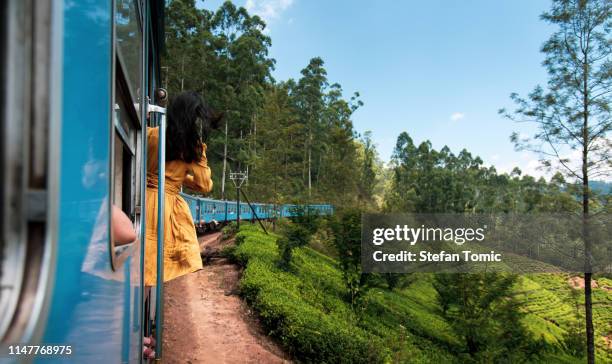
190	122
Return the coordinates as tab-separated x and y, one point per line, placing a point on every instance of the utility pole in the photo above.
227	116
167	68
238	178
183	73
224	163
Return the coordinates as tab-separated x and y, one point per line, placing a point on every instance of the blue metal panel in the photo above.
206	211
219	211
200	216
88	302
192	202
231	211
246	212
207	208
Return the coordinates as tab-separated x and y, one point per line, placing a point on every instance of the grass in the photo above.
305	311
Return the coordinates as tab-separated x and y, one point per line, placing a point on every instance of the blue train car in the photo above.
204	211
81	75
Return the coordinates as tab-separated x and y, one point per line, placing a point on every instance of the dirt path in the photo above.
205	322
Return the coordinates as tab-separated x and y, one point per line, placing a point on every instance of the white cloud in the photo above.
530	167
456	116
529	163
268	9
534	168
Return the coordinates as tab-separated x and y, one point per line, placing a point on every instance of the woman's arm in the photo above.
123	229
199	175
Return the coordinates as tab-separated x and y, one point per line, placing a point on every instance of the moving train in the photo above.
80	85
208	213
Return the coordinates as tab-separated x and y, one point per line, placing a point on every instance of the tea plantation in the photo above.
303	309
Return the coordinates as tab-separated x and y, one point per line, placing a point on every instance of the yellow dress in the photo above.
181	248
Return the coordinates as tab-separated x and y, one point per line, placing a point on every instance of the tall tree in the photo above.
242	72
335	150
572	113
368	167
309	100
186	30
277	165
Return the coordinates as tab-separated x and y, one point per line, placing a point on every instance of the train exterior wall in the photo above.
94	309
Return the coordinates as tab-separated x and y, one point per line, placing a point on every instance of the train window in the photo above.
127	141
126	146
29	147
128	30
124	178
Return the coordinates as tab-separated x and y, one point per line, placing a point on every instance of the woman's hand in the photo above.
189	178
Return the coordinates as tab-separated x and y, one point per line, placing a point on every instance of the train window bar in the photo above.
123	130
125	173
161	172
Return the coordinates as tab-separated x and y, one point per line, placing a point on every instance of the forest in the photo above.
297	140
295	137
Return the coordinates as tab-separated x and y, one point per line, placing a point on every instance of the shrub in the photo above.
228	252
303	328
573	338
229	230
481	308
297	233
239	240
308	333
347	241
392	279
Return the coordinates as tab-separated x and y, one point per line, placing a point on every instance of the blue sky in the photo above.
438	69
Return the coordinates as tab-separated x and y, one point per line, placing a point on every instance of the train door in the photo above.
153	112
128	161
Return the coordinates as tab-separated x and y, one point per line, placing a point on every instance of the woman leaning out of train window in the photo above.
189	122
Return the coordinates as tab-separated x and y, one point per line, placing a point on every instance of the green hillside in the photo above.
304	310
